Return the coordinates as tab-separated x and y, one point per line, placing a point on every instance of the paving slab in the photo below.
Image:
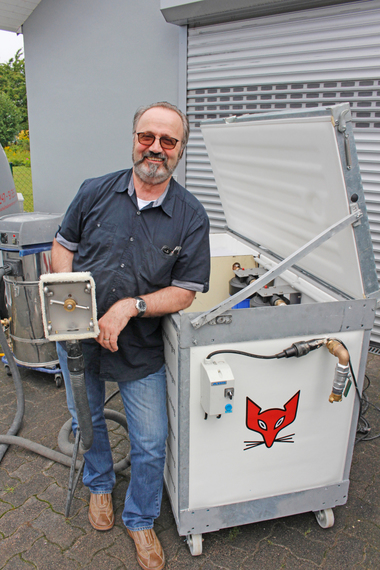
34	532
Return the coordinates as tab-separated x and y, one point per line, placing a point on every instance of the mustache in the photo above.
150	154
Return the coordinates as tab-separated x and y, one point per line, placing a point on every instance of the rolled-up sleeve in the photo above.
71	246
192	269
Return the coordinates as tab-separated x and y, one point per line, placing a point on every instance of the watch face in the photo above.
140	305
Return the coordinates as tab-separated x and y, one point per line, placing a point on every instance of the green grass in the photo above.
22	176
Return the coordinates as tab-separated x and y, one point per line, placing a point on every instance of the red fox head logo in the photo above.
270	422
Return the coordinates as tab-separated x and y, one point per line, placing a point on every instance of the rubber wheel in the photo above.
325	518
194	542
58	380
7	370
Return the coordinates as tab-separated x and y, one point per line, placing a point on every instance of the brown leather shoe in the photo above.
150	555
100	512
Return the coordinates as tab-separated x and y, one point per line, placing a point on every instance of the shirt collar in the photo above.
165	200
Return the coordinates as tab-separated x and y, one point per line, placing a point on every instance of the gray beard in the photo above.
149	172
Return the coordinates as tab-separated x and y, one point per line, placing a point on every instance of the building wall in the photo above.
89	65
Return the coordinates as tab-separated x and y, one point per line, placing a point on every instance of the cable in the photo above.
297	349
364	427
244	354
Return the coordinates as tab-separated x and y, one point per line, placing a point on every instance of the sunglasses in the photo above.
147	139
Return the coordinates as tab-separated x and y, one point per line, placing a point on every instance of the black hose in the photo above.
75	364
67	447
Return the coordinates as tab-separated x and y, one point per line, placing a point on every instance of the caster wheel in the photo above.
194	542
7	370
325	518
58	380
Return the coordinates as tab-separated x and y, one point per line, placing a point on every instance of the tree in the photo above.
12	83
9	120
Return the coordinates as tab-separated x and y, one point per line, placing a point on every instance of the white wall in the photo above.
89	65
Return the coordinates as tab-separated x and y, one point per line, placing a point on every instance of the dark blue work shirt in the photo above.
133	252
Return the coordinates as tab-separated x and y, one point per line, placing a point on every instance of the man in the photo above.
145	240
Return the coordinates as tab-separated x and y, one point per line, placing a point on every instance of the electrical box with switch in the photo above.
217	387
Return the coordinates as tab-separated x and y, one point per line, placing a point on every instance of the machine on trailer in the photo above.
25	243
263	401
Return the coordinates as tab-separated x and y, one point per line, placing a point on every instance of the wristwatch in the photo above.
140	306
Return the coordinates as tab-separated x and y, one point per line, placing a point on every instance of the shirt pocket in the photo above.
97	240
156	268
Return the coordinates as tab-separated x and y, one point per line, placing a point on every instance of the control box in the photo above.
217	387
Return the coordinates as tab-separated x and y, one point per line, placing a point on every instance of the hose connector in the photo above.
342	369
337	349
340	378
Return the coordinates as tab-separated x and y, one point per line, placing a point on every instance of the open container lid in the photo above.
282	182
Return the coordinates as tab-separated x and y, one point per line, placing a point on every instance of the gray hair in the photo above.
185	121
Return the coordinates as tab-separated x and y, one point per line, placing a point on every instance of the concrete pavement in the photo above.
34	533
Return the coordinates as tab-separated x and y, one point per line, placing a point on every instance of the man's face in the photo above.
153	164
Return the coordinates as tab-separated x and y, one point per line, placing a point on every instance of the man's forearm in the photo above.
159	303
61	258
168	300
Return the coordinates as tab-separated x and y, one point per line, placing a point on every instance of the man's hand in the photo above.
114	321
168	300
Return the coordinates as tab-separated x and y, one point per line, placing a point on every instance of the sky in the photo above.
9	44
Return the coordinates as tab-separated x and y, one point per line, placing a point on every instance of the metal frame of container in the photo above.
331	311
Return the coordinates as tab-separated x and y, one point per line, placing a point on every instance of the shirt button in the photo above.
122	265
131	239
98	225
113	290
138	213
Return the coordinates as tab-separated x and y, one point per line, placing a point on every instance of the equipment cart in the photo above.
262	400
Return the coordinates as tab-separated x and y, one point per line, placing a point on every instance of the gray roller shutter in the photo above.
299	60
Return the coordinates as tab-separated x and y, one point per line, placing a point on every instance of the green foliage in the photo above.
9	120
12	83
22	177
18	153
233	534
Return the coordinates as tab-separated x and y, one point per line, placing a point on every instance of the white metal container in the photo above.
252	439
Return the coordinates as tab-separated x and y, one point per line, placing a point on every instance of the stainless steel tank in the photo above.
25	243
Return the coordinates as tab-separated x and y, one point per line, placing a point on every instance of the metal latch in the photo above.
342	126
359	214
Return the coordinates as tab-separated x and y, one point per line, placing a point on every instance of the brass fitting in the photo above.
341	370
337	349
335	398
69	305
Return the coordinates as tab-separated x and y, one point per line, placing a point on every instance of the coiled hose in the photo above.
11	437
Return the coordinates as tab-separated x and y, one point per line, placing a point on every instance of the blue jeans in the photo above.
145	408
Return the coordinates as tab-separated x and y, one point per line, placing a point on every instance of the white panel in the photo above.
225	465
281	184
